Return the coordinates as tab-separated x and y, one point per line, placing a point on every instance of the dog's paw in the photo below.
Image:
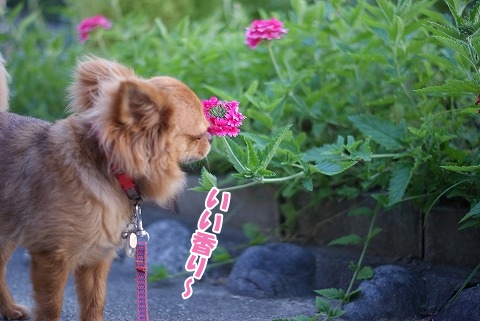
16	312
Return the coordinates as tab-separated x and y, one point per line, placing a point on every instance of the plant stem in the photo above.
385	155
364	249
281	179
263	181
359	263
472	274
274	61
233	188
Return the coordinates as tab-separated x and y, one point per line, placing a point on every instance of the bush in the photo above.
346	77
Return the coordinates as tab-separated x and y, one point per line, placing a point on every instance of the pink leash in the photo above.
141	266
140	247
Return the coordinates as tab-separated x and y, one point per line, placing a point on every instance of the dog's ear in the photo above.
138	104
132	120
90	74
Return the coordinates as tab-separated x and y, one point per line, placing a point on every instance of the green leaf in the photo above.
381	130
401	175
262	117
347	240
386	8
352	266
453	10
461	169
399	28
365	273
252	88
374	232
252	157
265	173
474	13
253	233
352	295
362	151
322	305
327	151
331	293
220	254
221	94
441	30
470	110
299	7
474	211
206	181
161	26
452	87
361	211
158	272
307	183
333	167
459	46
235	154
272	147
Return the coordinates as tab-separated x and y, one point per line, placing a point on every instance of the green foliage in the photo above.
254	234
338	107
346	240
381	97
376	68
220	254
206	181
158	272
39	59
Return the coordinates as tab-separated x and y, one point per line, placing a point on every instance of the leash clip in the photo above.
140	232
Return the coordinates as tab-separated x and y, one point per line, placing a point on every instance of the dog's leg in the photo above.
49	276
91	284
8	308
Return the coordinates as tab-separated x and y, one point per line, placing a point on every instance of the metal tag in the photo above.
132	240
130	244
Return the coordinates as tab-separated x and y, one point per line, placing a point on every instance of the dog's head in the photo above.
145	126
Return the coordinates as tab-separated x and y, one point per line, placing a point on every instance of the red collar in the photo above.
128	185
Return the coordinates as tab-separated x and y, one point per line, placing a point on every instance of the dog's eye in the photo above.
198	137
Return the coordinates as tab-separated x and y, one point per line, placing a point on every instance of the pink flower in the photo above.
223	116
264	29
88	24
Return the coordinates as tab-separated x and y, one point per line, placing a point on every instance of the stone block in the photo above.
401	234
256	204
445	244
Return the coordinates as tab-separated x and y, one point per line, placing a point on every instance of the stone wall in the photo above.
405	233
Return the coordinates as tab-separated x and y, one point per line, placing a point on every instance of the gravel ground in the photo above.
209	301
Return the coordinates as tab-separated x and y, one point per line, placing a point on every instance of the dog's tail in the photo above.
3	86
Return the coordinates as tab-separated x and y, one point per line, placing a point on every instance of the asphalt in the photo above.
208	302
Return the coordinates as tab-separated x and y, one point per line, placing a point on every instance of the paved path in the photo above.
208	302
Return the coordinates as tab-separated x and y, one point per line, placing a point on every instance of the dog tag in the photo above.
132	240
130	244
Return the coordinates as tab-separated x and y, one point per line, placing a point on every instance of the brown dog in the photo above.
59	197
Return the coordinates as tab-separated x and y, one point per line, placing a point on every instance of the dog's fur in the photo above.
59	197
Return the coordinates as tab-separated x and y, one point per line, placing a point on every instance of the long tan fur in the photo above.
59	196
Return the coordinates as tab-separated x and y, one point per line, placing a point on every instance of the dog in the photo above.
59	196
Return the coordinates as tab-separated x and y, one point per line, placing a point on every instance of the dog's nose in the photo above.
209	137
